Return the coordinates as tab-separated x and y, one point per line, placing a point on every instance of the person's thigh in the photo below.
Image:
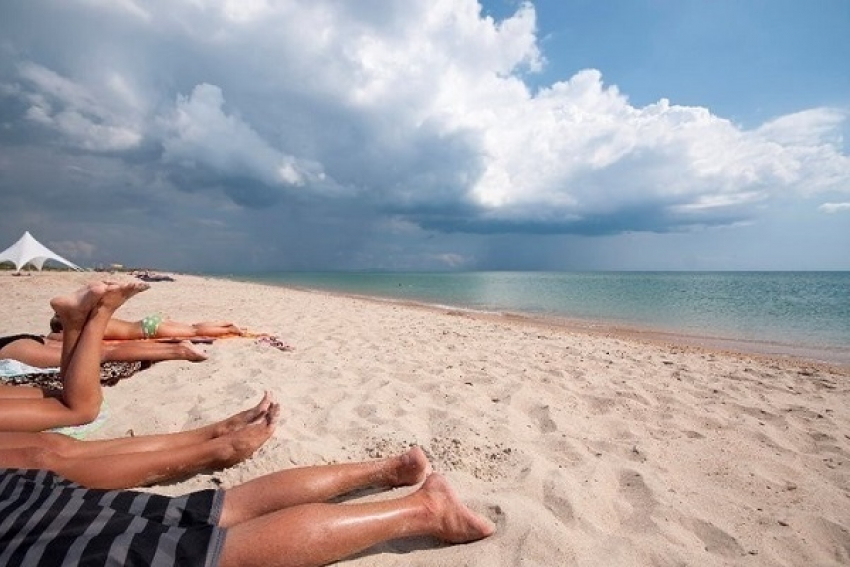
8	392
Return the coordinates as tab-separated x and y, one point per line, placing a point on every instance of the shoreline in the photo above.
823	357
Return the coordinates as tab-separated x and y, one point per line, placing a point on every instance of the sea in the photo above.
800	314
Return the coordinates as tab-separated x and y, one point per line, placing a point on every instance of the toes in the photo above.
273	414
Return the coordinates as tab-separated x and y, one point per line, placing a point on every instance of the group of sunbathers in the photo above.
65	501
151	339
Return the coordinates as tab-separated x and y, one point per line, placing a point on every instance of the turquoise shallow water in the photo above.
785	311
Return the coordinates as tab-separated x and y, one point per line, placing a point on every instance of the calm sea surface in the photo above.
804	313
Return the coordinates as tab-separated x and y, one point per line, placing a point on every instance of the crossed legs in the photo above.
84	316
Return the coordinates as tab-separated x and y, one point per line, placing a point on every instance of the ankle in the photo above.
101	312
224	452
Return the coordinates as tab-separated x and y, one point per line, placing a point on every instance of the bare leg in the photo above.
68	447
84	316
49	355
25	392
84	325
140	468
216	329
175	329
320	483
73	312
318	534
131	351
120	330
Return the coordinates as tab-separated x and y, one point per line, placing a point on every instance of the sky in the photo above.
267	135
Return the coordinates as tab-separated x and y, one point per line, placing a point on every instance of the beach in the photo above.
583	448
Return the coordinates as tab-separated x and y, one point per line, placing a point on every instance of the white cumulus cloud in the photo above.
201	134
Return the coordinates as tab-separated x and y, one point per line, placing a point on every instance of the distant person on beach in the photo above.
157	327
147	276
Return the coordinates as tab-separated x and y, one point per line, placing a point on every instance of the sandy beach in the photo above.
584	449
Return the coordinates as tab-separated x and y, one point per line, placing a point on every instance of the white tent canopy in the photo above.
28	250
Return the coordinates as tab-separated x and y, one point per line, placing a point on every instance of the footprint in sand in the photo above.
543	419
241	391
715	540
600	405
555	499
369	412
639	496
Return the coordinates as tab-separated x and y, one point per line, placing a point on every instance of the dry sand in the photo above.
583	449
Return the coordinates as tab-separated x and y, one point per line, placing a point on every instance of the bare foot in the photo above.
191	353
454	522
410	468
117	293
273	415
244	442
242	418
74	308
216	329
229	329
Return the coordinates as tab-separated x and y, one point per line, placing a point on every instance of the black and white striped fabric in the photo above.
47	521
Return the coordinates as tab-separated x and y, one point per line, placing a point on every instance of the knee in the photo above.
87	415
60	445
83	414
39	458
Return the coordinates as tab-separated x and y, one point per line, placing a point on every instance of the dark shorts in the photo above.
46	520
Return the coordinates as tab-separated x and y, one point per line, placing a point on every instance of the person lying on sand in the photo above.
280	519
46	352
84	316
156	327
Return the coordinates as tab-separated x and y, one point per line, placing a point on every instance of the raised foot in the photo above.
455	523
118	293
75	307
